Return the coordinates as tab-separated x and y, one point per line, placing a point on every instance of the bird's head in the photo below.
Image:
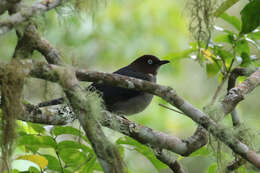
148	64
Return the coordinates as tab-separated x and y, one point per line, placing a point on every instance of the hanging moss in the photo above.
202	21
12	85
243	133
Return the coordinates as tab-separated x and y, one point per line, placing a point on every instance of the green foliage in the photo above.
204	151
250	16
232	20
37	141
212	168
53	163
142	149
127	29
224	6
61	130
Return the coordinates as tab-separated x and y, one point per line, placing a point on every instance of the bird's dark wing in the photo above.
112	95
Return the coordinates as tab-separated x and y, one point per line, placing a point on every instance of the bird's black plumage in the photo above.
111	95
126	101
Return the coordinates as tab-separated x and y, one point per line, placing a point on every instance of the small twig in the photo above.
236	72
218	90
235	118
171	109
23	15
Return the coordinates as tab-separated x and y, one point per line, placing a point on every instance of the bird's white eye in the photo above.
150	61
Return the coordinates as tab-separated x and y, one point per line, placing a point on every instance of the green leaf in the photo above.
53	163
222	53
61	130
250	16
204	151
37	127
41	161
89	167
234	21
212	168
37	141
224	6
180	55
224	38
144	150
75	145
72	157
212	69
15	171
254	35
242	46
31	170
245	59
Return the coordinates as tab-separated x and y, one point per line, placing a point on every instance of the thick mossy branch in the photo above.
87	108
25	13
12	81
171	97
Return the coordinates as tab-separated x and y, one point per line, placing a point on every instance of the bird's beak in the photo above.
163	62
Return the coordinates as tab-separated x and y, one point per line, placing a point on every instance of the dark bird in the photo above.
125	101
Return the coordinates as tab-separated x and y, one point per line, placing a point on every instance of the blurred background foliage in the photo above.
112	35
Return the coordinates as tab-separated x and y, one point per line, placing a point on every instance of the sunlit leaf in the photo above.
37	141
41	161
61	130
224	6
234	21
212	69
254	35
250	16
224	38
37	127
212	168
204	151
75	145
208	55
33	170
72	157
180	55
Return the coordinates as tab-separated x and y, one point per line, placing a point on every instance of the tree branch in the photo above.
237	94
9	5
25	13
235	73
169	160
45	71
37	42
107	153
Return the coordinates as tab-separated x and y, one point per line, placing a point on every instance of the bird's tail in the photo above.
52	102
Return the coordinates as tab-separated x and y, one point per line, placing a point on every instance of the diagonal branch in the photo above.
237	94
46	72
235	73
107	154
169	160
26	13
142	134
